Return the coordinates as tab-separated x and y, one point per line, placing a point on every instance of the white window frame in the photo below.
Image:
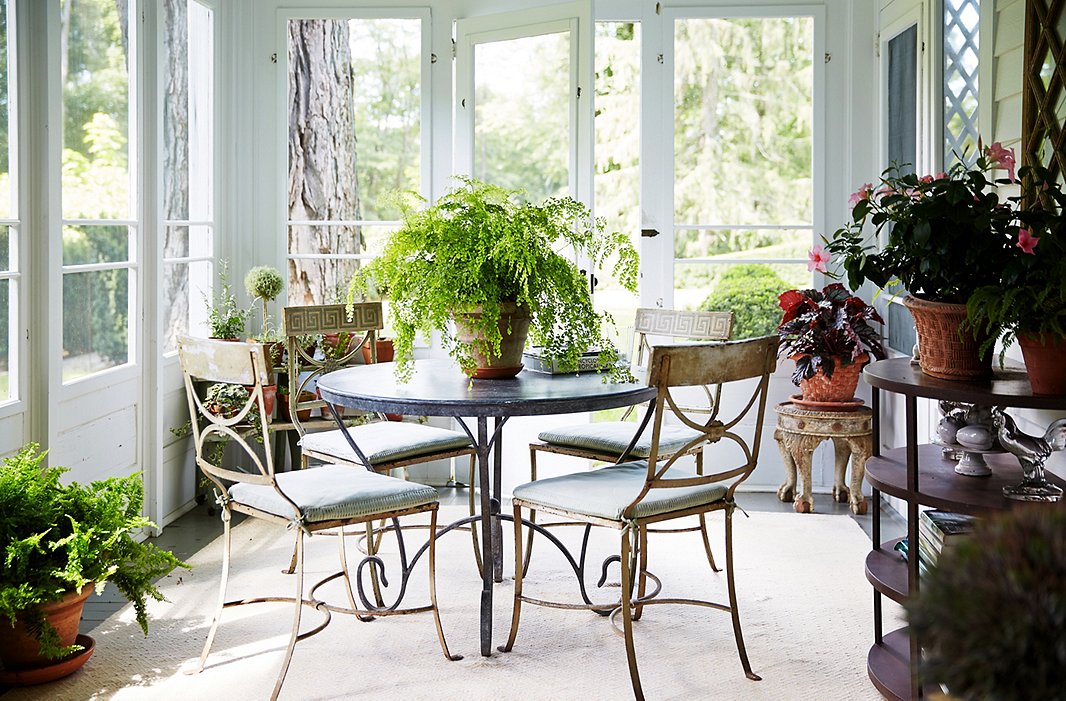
12	403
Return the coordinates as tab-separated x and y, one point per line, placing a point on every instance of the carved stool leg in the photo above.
803	454
788	488
861	449
841	453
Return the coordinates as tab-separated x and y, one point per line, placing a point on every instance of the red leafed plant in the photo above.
821	328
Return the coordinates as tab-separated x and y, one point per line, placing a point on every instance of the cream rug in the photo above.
804	601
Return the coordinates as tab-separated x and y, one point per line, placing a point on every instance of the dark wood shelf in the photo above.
1008	387
889	667
887	571
941	487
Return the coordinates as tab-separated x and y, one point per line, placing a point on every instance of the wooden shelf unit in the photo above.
921	476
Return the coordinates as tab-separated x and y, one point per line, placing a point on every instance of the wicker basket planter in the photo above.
944	352
840	388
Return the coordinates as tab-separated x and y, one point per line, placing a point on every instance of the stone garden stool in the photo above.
800	431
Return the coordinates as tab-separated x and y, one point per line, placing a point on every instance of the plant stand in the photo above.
800	431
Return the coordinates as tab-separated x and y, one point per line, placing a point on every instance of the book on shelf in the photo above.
939	531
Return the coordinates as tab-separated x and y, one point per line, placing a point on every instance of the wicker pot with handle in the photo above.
840	387
944	351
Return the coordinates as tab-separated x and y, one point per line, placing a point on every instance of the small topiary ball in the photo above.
991	616
264	282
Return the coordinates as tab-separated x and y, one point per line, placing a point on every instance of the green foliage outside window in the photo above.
749	291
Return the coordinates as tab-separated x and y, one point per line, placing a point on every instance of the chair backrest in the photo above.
676	323
304	367
685	365
210	361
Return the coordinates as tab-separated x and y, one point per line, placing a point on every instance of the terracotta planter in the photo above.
302	414
840	388
20	650
270	396
943	351
514	326
386	351
1045	360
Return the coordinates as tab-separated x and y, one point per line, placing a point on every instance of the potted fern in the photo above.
59	542
481	266
225	318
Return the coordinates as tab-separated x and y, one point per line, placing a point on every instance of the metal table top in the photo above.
439	388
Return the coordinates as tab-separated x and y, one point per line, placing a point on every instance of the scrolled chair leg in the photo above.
733	610
532	513
298	606
703	522
516	610
627	614
642	569
433	588
346	576
227	540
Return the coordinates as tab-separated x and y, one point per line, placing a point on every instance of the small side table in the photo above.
799	431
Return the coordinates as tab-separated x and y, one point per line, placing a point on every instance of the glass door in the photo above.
745	145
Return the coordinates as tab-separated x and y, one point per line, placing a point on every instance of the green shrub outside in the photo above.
749	291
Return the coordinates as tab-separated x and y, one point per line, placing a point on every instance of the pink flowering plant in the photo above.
1030	295
944	235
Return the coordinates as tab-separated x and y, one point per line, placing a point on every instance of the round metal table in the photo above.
439	388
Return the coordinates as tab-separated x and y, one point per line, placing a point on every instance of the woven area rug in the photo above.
804	601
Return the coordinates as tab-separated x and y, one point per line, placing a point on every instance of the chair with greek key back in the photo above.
304	501
607	440
387	445
631	496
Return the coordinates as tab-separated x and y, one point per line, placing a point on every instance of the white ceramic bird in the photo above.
1031	451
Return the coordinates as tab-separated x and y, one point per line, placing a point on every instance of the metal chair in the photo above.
303	501
630	496
388	445
608	441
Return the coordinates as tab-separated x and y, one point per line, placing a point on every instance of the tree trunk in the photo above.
322	157
175	163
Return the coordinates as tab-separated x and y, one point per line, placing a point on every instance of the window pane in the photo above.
743	96
95	321
902	112
95	244
750	291
742	243
185	309
6	337
323	280
5	248
617	175
522	114
7	132
188	135
961	130
386	91
96	115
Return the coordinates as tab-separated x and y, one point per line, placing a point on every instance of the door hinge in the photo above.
579	92
453	49
433	58
274	57
828	57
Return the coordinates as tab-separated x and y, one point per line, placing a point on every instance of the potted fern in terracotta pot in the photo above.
57	543
943	236
1029	301
483	267
829	335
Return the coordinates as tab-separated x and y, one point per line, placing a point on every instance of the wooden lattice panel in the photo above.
710	326
332	318
1044	86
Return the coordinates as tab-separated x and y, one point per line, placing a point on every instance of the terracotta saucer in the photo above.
799	401
49	673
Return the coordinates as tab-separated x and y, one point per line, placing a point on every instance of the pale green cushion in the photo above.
385	441
612	437
332	492
607	491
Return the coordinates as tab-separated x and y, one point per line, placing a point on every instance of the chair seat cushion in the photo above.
612	437
385	441
607	491
331	492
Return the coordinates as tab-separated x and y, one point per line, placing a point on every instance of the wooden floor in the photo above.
197	528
